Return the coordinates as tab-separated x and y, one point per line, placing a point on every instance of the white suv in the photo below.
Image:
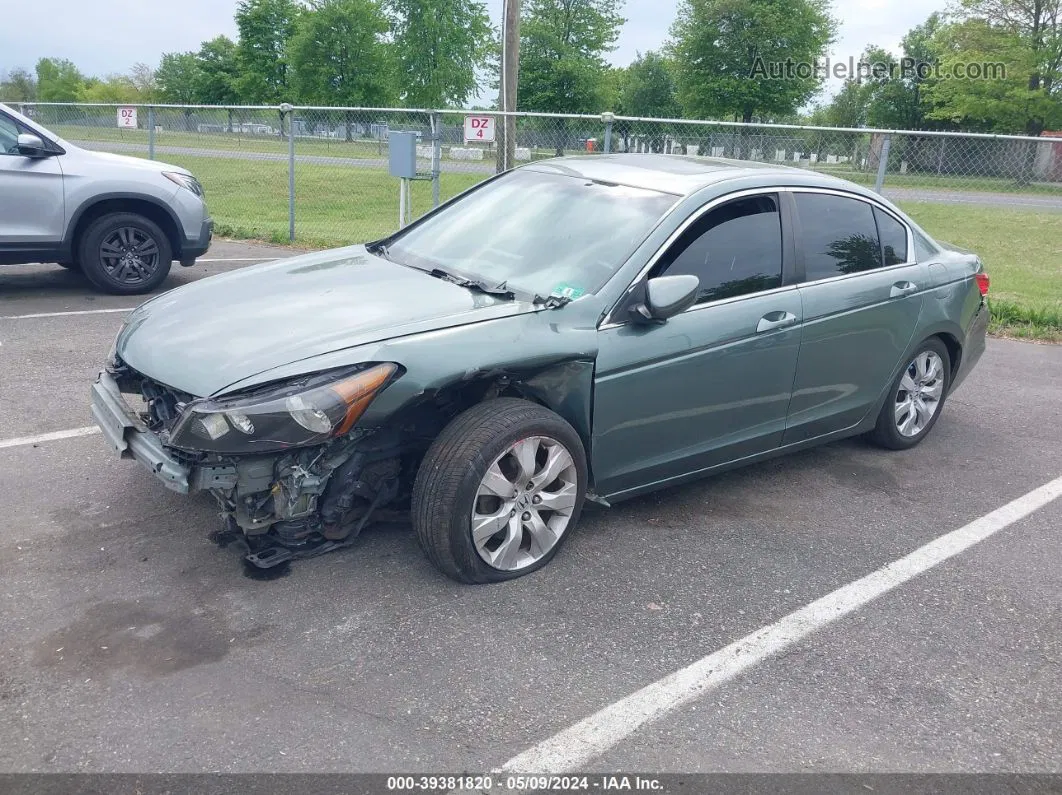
119	220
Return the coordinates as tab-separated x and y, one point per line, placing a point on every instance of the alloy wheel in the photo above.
129	255
919	393
524	503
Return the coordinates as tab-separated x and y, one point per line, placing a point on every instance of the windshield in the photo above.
540	233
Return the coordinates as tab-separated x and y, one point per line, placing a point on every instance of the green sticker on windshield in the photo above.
569	291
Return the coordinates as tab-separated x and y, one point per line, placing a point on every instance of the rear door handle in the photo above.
900	289
775	320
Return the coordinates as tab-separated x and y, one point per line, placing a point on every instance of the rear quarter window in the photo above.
893	238
925	249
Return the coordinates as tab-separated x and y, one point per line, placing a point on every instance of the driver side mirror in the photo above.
665	297
31	146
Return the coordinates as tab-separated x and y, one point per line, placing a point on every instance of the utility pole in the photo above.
509	73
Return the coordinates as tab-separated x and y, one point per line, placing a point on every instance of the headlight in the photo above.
185	181
310	410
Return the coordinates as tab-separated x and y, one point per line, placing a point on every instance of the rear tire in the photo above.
499	491
916	398
125	254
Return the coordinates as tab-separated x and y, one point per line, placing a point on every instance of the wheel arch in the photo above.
954	347
105	204
563	387
950	334
949	337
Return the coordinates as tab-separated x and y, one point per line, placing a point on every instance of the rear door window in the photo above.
839	235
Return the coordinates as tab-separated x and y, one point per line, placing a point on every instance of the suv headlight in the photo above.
185	181
309	410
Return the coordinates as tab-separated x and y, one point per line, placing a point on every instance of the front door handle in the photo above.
775	320
900	289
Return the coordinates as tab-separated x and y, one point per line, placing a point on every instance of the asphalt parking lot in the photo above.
129	642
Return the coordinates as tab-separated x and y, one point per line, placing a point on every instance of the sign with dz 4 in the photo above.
479	129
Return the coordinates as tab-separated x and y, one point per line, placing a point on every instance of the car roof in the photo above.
680	174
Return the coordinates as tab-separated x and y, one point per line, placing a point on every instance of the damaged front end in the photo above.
291	473
313	500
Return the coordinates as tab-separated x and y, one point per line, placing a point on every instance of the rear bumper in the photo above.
975	345
130	438
197	246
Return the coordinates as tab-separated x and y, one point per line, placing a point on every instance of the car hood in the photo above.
212	333
125	161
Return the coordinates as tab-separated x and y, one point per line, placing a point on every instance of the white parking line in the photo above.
572	748
71	312
72	433
240	259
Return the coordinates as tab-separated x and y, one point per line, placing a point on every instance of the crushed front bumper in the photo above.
128	435
270	502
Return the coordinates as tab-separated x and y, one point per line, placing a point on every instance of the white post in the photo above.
401	203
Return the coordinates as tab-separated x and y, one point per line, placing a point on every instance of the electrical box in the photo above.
403	148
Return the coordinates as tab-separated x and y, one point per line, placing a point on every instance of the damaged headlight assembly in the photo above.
306	411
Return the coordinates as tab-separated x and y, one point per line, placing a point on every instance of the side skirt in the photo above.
855	430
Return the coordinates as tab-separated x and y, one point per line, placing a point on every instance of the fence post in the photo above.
608	119
436	156
151	132
883	162
289	112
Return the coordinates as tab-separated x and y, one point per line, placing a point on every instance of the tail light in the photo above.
982	283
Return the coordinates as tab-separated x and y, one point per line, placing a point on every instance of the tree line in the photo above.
337	52
929	84
445	53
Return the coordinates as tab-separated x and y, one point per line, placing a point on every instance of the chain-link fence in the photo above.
320	175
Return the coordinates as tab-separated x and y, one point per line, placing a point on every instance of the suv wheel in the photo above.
499	491
125	254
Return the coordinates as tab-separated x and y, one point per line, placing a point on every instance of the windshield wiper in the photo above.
500	290
553	300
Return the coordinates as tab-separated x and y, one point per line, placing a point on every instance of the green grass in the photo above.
1036	323
1022	252
334	205
942	182
358	148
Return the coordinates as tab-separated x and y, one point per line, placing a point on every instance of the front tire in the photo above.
125	254
499	491
916	398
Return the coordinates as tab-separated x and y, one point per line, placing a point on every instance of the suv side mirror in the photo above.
667	296
31	146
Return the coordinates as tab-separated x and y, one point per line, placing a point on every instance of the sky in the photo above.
104	36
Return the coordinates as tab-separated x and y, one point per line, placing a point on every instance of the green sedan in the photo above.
586	328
